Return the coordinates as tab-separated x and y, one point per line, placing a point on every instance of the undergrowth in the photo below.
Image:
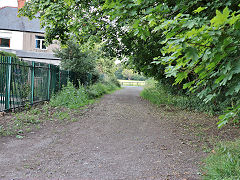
73	98
70	97
159	94
224	162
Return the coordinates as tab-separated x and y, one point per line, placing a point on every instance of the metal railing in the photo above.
28	82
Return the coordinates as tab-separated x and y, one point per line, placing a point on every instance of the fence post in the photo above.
32	81
49	81
8	83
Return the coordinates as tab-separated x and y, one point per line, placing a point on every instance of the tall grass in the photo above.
224	162
99	89
158	94
73	98
70	97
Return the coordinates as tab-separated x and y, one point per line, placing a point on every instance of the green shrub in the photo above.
70	97
158	93
115	82
224	162
100	88
74	98
8	54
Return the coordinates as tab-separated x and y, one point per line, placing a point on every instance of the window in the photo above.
40	42
4	42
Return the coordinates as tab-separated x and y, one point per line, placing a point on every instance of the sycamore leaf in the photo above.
152	22
192	53
218	80
220	18
233	89
209	97
234	19
200	9
181	76
171	71
198	69
136	24
157	28
236	68
189	84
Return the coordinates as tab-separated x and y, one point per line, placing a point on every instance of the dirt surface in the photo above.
121	137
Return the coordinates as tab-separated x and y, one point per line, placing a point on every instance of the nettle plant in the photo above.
204	55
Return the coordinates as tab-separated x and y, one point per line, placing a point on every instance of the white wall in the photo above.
16	39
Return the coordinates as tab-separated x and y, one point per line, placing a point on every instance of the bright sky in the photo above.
12	3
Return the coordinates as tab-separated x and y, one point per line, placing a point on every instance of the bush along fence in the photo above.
26	82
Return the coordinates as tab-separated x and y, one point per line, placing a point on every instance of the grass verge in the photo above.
159	94
224	162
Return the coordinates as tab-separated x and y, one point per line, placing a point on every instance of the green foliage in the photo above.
70	97
191	43
128	74
101	88
75	98
88	62
61	107
224	162
159	94
4	53
75	59
97	90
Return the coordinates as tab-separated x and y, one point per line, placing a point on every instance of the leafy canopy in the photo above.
191	43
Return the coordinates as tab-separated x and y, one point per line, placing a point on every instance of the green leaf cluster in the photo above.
193	44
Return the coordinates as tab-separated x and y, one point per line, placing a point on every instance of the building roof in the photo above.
10	21
32	55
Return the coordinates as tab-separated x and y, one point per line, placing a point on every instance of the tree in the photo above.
193	44
128	73
105	63
73	58
118	72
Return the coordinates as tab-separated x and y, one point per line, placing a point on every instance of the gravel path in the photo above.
122	137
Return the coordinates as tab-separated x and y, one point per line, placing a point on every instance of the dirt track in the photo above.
122	137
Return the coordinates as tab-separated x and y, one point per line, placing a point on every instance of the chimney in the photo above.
21	3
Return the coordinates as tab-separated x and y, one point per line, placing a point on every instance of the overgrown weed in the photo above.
159	94
224	162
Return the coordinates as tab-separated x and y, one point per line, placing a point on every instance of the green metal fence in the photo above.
27	82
